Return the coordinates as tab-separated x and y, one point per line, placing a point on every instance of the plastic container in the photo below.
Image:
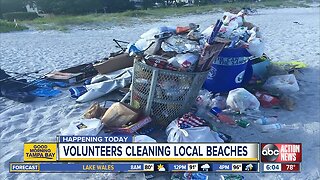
222	117
277	126
285	84
266	100
229	70
266	120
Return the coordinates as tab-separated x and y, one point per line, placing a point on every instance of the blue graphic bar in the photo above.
178	167
222	167
95	139
75	167
21	167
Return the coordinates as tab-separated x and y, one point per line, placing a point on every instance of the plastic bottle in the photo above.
266	120
266	100
219	101
277	126
222	117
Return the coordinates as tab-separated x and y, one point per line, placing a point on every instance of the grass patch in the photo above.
63	22
6	26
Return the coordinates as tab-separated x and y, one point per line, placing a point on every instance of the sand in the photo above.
42	120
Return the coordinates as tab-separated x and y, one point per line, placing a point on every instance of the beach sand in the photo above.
42	120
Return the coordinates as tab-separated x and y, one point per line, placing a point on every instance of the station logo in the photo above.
270	152
284	152
40	152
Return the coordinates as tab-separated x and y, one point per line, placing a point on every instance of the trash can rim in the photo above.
233	64
170	71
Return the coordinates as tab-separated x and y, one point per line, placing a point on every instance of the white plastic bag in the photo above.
83	127
240	100
283	84
256	47
195	134
158	30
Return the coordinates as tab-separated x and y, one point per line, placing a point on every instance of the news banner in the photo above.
106	154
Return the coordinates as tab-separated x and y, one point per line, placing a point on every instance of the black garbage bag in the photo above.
16	90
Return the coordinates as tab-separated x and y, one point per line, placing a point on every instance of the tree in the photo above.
118	6
83	6
148	3
12	6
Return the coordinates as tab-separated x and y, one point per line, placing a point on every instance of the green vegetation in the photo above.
6	26
64	22
20	16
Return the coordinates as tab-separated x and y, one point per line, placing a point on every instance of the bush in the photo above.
20	16
10	26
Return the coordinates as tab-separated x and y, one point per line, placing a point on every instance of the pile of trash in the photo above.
185	49
179	48
231	48
242	34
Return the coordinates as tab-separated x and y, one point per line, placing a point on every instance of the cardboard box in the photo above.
133	127
74	74
119	114
114	63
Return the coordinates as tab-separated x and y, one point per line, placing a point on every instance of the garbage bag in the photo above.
46	92
256	47
282	84
97	90
240	100
195	134
83	127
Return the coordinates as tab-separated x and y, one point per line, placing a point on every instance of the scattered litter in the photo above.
119	114
277	126
242	123
219	102
266	100
241	100
297	23
192	134
266	120
285	84
95	111
198	176
83	127
221	116
231	177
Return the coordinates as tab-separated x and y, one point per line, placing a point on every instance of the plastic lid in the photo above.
215	110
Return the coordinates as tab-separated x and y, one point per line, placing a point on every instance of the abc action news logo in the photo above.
281	152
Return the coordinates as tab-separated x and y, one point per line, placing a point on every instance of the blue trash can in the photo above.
228	71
